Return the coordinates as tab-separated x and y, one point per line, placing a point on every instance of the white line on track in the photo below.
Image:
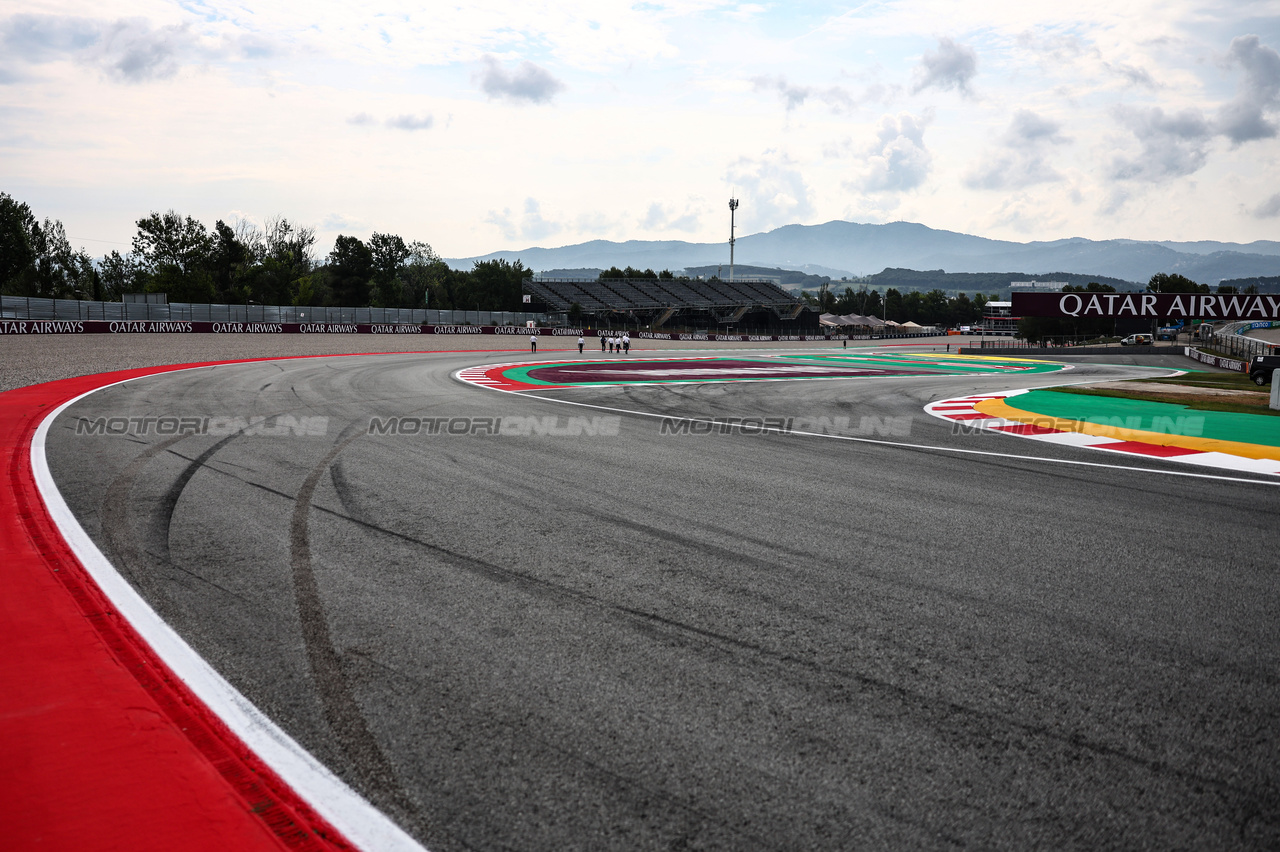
930	447
360	822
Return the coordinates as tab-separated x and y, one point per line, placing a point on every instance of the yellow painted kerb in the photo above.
1000	408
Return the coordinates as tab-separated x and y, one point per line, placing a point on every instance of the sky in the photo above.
478	126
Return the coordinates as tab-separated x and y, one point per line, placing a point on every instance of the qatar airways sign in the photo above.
1151	305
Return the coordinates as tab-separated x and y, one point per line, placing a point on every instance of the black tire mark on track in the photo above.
939	709
141	565
116	532
340	709
158	526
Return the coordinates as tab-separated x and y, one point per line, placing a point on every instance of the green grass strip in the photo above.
1147	416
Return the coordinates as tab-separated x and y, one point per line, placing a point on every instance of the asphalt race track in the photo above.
601	636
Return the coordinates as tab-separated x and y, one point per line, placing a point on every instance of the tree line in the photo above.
244	264
932	308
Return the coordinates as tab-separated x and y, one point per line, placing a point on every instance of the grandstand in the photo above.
653	302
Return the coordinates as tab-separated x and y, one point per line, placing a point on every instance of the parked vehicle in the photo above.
1168	333
1136	340
1261	367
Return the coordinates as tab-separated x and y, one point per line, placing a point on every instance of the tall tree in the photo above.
1163	282
389	254
174	255
351	270
229	260
420	270
894	308
913	307
871	305
934	308
497	285
286	260
117	273
16	254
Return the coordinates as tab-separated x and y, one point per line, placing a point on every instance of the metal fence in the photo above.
1232	339
25	308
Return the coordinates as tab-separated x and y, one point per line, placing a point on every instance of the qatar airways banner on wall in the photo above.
198	327
1148	305
190	327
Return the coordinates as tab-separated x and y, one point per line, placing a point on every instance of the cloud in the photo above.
597	222
529	83
1268	209
1177	144
897	160
1243	118
1029	128
1025	214
530	225
793	96
1135	75
951	66
411	122
44	38
1023	161
253	46
342	222
133	52
657	218
127	49
1172	145
773	191
399	122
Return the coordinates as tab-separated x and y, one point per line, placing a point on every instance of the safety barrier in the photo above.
1233	340
30	308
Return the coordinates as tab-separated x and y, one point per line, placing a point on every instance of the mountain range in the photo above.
849	249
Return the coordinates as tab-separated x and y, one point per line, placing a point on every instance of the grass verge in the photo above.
1250	403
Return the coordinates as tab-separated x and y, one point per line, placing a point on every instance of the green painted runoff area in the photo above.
938	363
1145	416
925	364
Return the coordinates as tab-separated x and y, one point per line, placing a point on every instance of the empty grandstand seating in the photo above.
654	301
648	294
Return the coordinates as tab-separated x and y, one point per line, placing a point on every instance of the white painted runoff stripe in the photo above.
360	822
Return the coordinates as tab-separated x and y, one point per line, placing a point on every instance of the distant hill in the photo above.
789	279
974	282
850	249
1269	284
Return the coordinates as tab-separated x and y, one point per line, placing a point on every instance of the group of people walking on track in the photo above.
616	343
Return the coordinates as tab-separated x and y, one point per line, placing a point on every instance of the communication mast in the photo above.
733	206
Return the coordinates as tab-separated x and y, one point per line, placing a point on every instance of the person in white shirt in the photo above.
533	343
580	342
626	343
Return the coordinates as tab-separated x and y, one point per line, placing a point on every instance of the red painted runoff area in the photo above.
102	746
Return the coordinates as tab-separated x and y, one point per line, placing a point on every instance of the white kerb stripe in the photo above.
361	823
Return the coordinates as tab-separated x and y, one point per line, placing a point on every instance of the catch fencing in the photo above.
29	308
1233	340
